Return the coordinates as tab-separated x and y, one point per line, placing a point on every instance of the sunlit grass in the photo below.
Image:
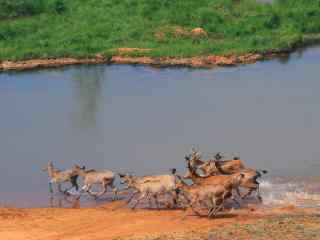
83	28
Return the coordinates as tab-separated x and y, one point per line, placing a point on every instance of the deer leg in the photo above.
155	197
247	194
193	205
87	188
50	187
60	188
139	200
114	190
66	191
211	207
258	194
235	200
215	210
51	201
174	196
132	196
74	183
238	191
104	190
185	197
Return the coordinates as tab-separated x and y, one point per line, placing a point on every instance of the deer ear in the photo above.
173	170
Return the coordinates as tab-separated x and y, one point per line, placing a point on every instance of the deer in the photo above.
213	196
150	187
215	166
58	177
90	177
249	181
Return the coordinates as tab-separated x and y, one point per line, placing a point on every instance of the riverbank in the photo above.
194	62
165	33
127	56
110	222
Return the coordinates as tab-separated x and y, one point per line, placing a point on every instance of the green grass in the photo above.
83	28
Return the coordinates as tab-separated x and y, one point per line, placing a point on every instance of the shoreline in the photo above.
113	221
209	61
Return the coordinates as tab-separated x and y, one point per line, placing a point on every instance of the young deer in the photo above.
90	177
58	177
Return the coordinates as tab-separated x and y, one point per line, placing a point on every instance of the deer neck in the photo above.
52	172
195	178
82	173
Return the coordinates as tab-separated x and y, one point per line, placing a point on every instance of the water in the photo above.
143	120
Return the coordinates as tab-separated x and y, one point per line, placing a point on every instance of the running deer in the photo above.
90	177
215	166
150	187
212	196
249	181
58	177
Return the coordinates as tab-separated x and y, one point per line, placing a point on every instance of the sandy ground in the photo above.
112	221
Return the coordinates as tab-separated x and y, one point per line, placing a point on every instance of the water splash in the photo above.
284	191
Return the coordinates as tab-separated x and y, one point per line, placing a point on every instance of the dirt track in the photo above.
109	222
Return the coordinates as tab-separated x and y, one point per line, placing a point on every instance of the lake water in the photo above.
144	120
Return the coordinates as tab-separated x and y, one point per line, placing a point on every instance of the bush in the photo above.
59	6
18	8
15	8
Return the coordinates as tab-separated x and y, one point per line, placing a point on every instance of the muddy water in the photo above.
143	120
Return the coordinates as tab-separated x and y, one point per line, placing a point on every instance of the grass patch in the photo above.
83	28
281	227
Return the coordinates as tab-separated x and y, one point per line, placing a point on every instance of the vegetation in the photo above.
281	227
18	8
83	28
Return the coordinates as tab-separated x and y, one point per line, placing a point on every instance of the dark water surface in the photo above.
144	120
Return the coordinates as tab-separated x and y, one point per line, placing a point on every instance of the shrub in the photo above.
59	6
15	8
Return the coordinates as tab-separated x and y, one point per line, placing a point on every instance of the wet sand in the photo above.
109	221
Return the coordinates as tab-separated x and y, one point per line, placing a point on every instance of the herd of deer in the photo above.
213	183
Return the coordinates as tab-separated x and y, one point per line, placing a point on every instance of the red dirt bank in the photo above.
107	222
196	62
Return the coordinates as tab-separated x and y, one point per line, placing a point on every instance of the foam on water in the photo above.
284	191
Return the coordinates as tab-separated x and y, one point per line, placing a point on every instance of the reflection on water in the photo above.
285	58
63	201
144	120
87	92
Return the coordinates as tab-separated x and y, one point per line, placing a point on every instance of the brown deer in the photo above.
249	180
212	195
